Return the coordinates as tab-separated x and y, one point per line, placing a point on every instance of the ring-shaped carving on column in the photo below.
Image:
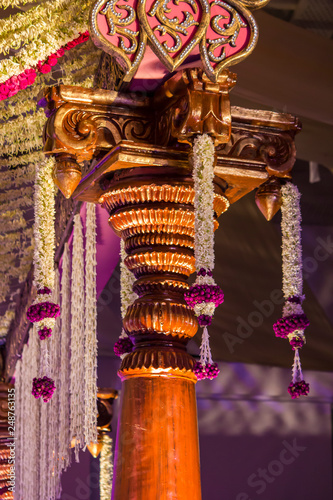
144	220
157	193
148	362
162	317
142	263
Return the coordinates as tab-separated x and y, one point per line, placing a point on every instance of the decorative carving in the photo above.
173	33
152	240
277	149
164	261
232	36
80	131
197	106
157	317
66	174
268	198
149	362
261	143
225	30
117	31
144	220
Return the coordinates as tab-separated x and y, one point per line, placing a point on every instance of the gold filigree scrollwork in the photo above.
118	24
196	15
123	23
229	32
173	26
227	35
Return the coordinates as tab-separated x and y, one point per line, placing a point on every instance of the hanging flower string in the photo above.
293	321
124	345
43	312
19	82
204	296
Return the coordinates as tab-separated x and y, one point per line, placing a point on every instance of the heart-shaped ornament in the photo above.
231	36
173	27
115	28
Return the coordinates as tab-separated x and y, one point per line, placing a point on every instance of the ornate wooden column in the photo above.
157	437
141	174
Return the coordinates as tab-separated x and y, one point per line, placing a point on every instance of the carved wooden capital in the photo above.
252	145
192	105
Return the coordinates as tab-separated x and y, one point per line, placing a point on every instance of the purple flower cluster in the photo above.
123	346
297	342
43	388
43	291
295	299
204	320
210	370
44	333
198	294
38	312
289	324
298	389
205	272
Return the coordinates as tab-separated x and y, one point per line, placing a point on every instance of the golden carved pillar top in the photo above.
116	129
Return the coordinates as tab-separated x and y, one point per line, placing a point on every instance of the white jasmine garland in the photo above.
127	279
106	468
23	127
25	134
64	389
5	322
77	345
57	26
207	308
44	225
127	296
53	471
18	161
203	175
18	177
90	333
292	281
32	427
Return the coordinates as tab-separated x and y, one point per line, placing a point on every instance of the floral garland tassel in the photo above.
90	354
64	417
44	312
204	296
106	468
124	345
293	321
77	346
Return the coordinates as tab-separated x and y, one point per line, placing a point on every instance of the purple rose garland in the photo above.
293	321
